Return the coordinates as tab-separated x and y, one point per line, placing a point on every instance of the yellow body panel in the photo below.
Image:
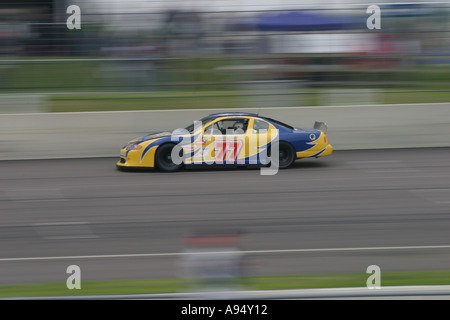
217	148
319	148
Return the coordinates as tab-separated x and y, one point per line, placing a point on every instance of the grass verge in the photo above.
251	283
226	99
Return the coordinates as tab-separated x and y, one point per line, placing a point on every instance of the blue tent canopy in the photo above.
302	21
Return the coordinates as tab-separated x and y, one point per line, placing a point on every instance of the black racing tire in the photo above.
286	155
163	158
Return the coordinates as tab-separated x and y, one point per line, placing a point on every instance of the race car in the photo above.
235	138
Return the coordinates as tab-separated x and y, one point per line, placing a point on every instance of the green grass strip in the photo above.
251	283
225	99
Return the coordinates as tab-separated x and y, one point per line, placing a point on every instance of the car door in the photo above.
259	136
224	140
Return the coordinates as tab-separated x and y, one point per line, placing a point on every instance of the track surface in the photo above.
353	199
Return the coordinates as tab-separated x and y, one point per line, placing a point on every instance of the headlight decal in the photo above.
135	146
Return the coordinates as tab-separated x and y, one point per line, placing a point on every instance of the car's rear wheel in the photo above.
163	158
286	155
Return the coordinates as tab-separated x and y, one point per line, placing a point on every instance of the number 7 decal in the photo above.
227	150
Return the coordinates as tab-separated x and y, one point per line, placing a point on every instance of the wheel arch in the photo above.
287	142
155	160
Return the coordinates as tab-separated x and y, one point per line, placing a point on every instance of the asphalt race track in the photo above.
334	215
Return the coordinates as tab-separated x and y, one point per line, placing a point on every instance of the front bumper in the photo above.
135	158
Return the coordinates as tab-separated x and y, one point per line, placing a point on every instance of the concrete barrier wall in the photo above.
98	134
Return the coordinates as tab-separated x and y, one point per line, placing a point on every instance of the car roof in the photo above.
231	114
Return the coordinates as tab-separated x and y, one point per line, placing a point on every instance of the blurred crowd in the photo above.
39	29
150	43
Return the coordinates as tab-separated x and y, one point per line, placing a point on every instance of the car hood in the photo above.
151	136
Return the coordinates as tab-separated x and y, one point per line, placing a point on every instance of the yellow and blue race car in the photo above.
235	138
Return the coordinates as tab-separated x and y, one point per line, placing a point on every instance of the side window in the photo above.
239	126
260	126
213	129
233	126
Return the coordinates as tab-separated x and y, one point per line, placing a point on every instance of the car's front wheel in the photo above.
163	158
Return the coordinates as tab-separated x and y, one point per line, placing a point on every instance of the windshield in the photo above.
204	121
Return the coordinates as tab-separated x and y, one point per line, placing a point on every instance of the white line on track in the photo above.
174	254
398	170
58	223
359	162
41	200
72	237
64	230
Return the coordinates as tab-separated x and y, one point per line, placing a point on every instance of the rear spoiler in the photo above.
321	126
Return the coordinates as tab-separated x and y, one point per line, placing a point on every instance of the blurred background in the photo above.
240	54
203	54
